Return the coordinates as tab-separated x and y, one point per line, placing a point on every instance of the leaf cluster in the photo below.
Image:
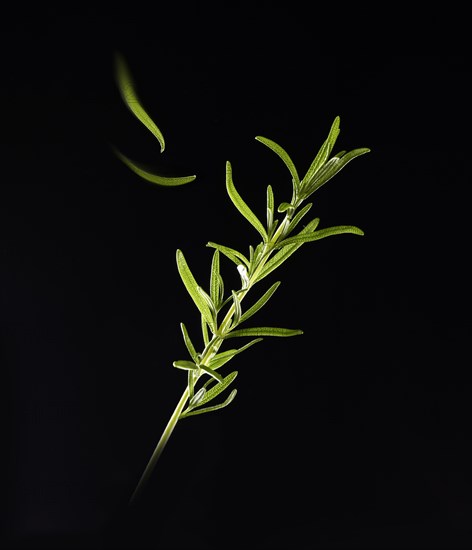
281	235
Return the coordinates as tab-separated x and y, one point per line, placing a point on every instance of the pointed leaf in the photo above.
144	173
287	250
212	373
127	89
264	331
191	383
209	302
230	398
188	342
204	325
261	302
237	308
270	207
298	217
284	156
233	255
185	365
192	288
321	234
323	153
213	392
222	358
197	398
215	279
331	168
241	205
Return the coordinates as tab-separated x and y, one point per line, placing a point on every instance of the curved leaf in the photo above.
280	151
210	394
233	255
128	93
150	176
229	399
192	288
185	365
241	205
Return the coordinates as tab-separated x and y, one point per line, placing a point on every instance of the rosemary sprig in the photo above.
222	315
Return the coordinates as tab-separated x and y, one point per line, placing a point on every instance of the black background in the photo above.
356	434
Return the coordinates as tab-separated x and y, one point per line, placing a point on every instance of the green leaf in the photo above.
241	205
237	309
233	255
270	207
185	365
280	151
197	398
222	358
144	173
331	168
191	383
323	153
321	234
211	373
298	217
284	206
213	392
192	288
127	89
211	305
261	302
204	325
188	342
264	331
215	278
287	250
194	412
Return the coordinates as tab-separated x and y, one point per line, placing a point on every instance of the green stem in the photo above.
210	349
160	446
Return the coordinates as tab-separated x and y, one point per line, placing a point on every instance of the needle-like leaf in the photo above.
192	288
330	169
144	173
215	278
321	234
282	255
260	303
233	255
185	365
222	358
188	343
270	207
323	153
241	205
127	90
229	399
264	331
211	373
213	392
280	151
